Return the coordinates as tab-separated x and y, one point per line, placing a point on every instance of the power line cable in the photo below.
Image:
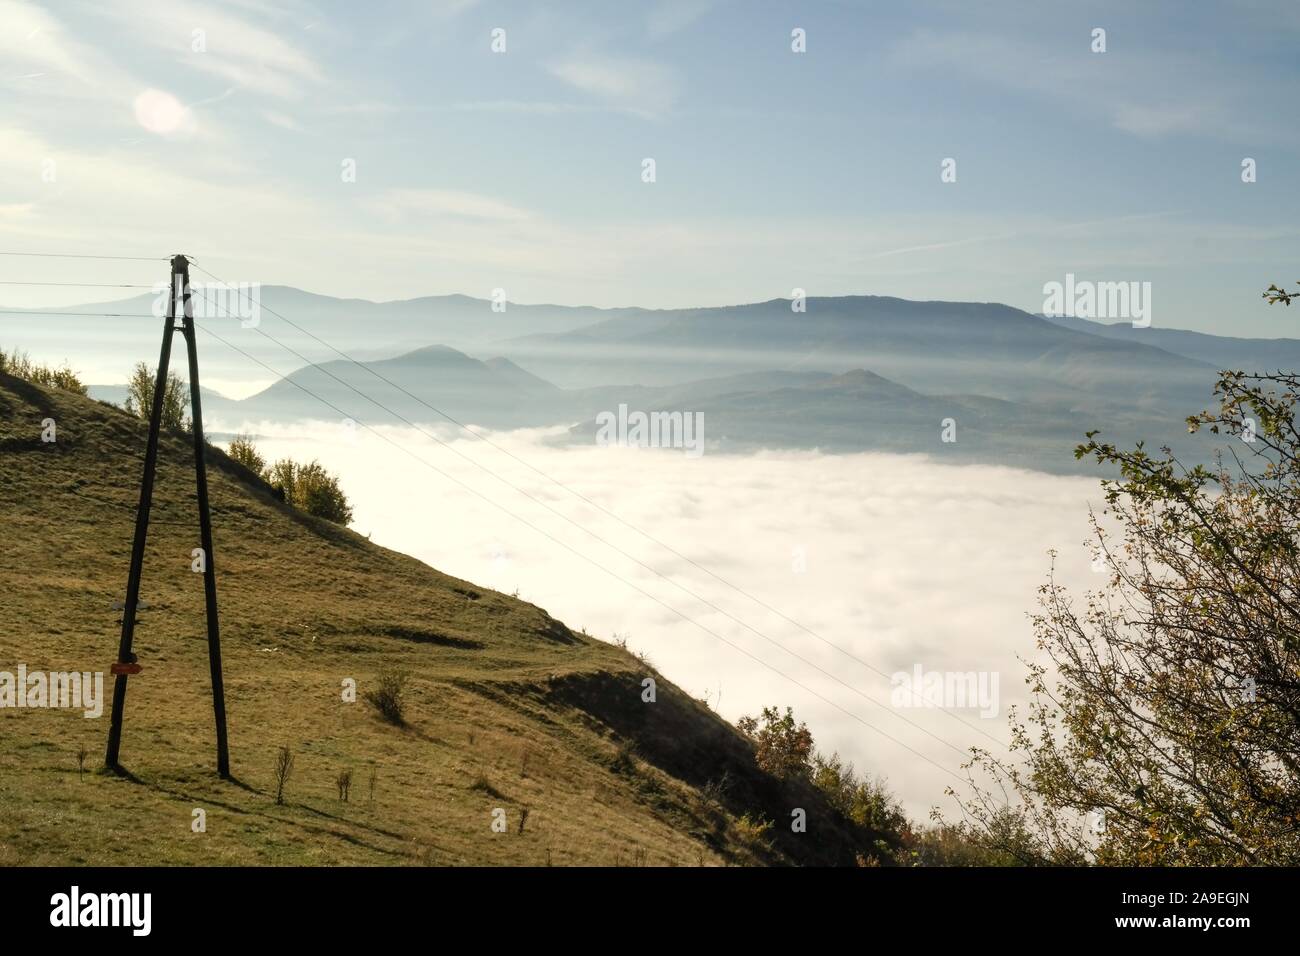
75	255
78	285
96	315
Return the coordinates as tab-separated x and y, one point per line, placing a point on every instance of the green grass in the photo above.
504	707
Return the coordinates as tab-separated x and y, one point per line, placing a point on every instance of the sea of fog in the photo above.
905	564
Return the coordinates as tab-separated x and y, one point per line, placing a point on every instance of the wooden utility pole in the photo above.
126	660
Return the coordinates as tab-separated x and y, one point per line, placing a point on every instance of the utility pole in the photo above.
126	660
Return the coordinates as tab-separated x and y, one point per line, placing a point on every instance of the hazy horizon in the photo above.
366	152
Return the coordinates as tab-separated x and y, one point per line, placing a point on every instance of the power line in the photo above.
79	285
105	315
74	255
589	559
588	501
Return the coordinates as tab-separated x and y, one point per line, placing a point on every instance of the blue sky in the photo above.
521	170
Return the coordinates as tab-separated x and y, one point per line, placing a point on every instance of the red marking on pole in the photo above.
120	668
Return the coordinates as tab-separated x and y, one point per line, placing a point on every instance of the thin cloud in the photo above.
522	106
672	16
236	50
1183	93
637	86
34	36
1018	234
446	202
281	120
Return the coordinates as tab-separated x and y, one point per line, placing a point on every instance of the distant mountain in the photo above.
377	329
858	410
862	411
1021	389
128	332
496	393
1219	351
950	347
690	394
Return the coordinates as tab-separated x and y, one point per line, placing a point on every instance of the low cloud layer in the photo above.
901	562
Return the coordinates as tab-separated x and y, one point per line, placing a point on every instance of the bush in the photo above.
387	697
753	833
319	494
310	488
868	803
245	452
19	365
785	749
949	845
282	476
139	397
781	747
283	770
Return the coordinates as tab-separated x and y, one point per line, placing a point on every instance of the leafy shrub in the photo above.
319	494
785	749
956	845
752	832
781	747
310	488
245	452
387	697
19	365
867	803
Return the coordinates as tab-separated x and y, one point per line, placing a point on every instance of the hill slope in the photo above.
507	708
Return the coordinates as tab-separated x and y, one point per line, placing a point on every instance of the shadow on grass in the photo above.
120	772
208	800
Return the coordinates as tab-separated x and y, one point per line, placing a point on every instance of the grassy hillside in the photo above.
506	707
